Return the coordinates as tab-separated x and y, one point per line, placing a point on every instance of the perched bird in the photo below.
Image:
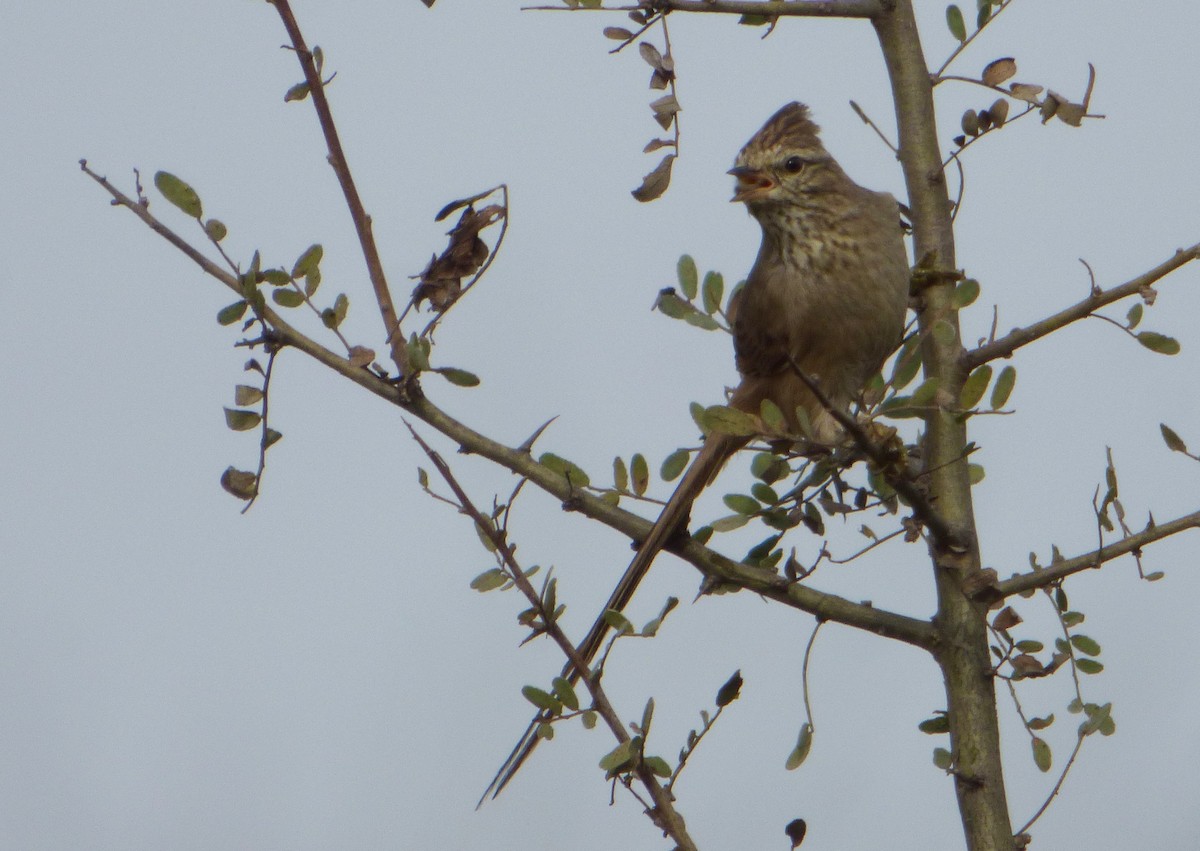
827	295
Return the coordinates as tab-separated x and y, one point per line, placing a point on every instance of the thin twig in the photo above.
1088	561
884	461
767	8
937	76
664	814
1018	337
341	168
769	584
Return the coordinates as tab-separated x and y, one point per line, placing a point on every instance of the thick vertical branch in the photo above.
962	650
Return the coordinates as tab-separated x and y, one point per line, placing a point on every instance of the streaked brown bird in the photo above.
827	293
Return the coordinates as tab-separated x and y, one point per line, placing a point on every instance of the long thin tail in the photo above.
712	456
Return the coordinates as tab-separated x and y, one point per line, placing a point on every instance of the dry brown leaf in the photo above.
999	112
664	110
1026	92
656	182
1000	70
650	53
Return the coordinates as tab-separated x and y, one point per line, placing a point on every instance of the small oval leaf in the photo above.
179	193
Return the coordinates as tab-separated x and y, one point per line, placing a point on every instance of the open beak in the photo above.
752	184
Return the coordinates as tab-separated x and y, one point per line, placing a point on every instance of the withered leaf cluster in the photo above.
441	283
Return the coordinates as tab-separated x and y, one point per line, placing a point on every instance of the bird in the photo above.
826	296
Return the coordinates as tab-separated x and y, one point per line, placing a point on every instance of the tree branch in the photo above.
1015	339
766	8
769	584
1129	544
341	167
664	814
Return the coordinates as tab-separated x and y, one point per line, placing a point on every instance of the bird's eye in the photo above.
793	165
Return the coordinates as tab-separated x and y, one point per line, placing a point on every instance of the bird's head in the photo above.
784	163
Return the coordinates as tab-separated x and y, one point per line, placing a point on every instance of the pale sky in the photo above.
317	673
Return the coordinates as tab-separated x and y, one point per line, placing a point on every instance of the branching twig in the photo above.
766	8
1129	544
885	460
937	75
663	811
341	167
1015	339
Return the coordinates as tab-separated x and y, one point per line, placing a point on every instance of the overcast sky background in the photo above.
317	674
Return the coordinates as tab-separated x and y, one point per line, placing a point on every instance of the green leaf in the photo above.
1003	387
232	313
241	484
741	503
241	420
640	473
965	293
622	756
954	20
1042	757
620	474
215	230
618	621
1174	441
271	438
974	387
1134	316
1160	343
942	758
287	298
565	692
545	730
975	473
589	719
657	765
179	193
542	700
764	493
308	261
923	396
1084	644
647	716
244	394
489	580
935	725
296	92
670	304
728	524
943	332
700	320
1089	666
803	746
767	467
688	276
458	377
907	363
731	421
674	464
731	690
565	468
341	306
1041	723
712	291
772	416
277	277
1028	645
